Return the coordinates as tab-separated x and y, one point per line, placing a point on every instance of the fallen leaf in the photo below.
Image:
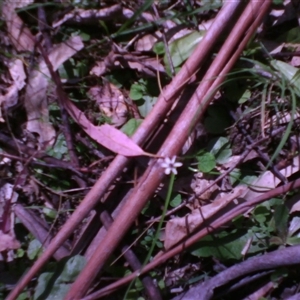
106	135
296	206
19	34
179	228
80	16
7	237
8	242
268	181
36	103
115	140
111	103
18	75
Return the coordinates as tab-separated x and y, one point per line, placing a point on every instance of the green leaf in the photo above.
137	91
146	104
234	176
20	252
23	296
277	275
159	48
223	246
294	240
281	215
176	201
220	148
55	285
59	150
206	162
245	97
34	249
291	36
292	74
183	47
50	212
260	214
131	126
42	286
72	268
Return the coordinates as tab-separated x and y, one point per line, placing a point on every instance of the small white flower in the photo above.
170	165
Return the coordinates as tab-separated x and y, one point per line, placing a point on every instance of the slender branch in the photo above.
227	218
279	258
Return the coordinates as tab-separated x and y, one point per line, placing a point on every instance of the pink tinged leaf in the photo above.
115	140
106	135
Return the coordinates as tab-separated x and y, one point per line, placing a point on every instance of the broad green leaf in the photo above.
220	148
42	289
20	252
22	296
47	290
176	201
146	104
182	48
72	268
131	126
159	48
292	74
34	249
293	240
234	176
137	91
55	285
260	214
245	97
59	149
206	162
291	36
223	246
278	274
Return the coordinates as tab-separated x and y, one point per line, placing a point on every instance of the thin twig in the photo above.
262	155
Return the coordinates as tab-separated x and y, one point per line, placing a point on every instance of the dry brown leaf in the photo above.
268	181
36	103
7	237
113	60
115	140
198	184
18	75
8	242
79	15
179	228
296	206
111	103
106	135
147	42
19	34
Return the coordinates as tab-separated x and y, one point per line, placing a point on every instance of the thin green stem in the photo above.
157	233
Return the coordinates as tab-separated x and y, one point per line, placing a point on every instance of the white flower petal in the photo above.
167	171
164	165
177	164
170	165
168	160
173	159
174	171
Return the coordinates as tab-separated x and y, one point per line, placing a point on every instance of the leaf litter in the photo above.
103	83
